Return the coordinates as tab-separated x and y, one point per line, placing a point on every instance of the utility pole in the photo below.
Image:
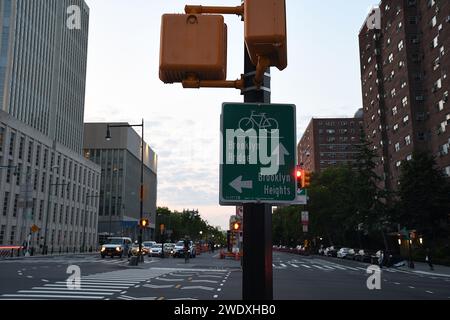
257	259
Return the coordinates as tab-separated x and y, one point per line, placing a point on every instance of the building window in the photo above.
2	139
408	140
397	146
405	101
405	119
30	152
38	155
435	42
21	147
12	238
5	204
2	233
394	111
391	58
11	143
409	157
396	127
16	202
41	210
447	171
400	45
404	84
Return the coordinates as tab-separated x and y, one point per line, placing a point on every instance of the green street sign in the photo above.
258	154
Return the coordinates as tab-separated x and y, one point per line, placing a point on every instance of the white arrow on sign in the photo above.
281	152
238	184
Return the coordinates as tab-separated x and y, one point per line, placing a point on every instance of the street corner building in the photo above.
405	59
46	185
120	161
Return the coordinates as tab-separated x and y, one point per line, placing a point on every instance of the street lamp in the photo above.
141	214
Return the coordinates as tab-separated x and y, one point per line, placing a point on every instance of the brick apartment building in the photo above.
329	142
405	83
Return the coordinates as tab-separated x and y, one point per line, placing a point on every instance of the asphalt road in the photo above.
208	278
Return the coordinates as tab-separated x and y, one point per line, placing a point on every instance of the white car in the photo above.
156	250
343	252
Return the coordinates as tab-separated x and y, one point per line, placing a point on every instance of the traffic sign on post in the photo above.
258	158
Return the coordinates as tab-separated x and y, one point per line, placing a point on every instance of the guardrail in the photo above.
11	251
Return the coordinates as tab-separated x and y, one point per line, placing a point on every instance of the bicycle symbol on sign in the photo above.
258	121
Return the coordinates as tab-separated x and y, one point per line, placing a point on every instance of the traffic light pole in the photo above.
257	258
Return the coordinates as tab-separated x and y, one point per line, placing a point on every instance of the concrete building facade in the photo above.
329	142
45	184
43	66
405	83
120	161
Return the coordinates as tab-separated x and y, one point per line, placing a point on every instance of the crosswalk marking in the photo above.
64	292
283	265
306	266
294	265
54	296
82	289
318	267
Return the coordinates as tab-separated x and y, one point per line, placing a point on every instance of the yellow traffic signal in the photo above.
306	179
236	226
144	223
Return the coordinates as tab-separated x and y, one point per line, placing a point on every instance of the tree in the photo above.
424	194
371	215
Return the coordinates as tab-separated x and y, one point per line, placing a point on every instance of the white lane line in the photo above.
205	281
169	280
105	287
51	296
121	284
397	283
152	286
293	265
339	267
215	296
389	270
197	288
65	292
30	277
306	266
283	265
411	287
51	288
327	267
318	267
123	298
44	280
430	292
361	268
209	276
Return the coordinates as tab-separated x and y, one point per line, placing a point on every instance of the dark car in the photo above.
364	255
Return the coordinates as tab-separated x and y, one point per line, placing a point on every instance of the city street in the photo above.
209	278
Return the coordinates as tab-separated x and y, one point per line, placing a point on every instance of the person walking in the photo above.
381	259
428	259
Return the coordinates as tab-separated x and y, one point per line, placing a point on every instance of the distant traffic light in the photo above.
306	179
236	226
144	223
299	176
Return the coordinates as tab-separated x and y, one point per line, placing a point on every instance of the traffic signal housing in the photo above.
299	173
237	226
144	223
193	46
306	179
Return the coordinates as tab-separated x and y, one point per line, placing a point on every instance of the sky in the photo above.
183	125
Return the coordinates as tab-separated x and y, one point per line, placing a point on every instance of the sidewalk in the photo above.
22	257
424	269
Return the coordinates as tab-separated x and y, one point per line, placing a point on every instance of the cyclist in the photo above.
186	250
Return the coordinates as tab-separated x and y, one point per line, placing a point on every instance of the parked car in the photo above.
156	250
364	255
116	246
343	252
135	250
331	251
